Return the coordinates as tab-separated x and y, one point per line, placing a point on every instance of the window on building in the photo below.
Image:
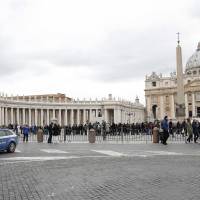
154	84
99	114
167	109
154	99
189	81
166	83
198	111
194	72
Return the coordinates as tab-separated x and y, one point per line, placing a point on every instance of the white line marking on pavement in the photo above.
165	153
50	158
110	153
17	151
53	151
41	158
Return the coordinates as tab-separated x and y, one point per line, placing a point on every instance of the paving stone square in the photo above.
101	171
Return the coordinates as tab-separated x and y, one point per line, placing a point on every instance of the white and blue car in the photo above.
8	140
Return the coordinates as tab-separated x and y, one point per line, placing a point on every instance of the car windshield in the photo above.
2	133
8	132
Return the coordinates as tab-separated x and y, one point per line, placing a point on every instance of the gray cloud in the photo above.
194	9
120	55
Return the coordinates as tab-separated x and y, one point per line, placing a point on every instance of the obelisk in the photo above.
180	100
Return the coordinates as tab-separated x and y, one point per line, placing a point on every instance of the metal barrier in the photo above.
105	137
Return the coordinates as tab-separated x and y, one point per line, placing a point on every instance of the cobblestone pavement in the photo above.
101	171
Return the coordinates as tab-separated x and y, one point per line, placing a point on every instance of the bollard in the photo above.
92	136
40	135
155	135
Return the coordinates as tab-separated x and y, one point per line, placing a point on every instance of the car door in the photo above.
3	139
10	137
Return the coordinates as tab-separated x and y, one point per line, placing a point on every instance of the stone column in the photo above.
59	117
172	107
84	116
23	116
18	122
162	107
148	103
3	116
29	117
193	105
42	116
36	117
121	115
66	117
96	113
72	117
186	105
90	115
54	113
12	119
47	116
106	115
117	116
6	116
78	116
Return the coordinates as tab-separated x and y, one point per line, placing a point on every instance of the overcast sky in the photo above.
90	48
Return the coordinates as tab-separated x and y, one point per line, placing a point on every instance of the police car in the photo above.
8	140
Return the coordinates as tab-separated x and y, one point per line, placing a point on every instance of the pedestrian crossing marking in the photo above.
53	151
110	153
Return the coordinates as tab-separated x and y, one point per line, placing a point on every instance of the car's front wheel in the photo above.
11	147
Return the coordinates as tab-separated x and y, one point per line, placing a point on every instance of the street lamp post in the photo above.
129	120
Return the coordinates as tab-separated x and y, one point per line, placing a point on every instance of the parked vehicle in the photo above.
8	140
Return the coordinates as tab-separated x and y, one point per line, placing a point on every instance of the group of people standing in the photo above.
190	129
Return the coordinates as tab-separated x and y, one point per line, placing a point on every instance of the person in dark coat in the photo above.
171	128
189	130
26	133
195	130
165	127
50	133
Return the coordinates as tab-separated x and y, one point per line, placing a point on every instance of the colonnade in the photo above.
41	117
40	112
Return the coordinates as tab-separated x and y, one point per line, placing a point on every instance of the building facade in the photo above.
163	94
40	110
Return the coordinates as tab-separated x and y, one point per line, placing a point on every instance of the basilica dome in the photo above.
193	62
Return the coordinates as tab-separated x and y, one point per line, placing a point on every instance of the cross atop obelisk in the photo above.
178	38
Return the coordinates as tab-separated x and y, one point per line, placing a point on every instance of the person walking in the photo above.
195	130
189	130
165	127
25	130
